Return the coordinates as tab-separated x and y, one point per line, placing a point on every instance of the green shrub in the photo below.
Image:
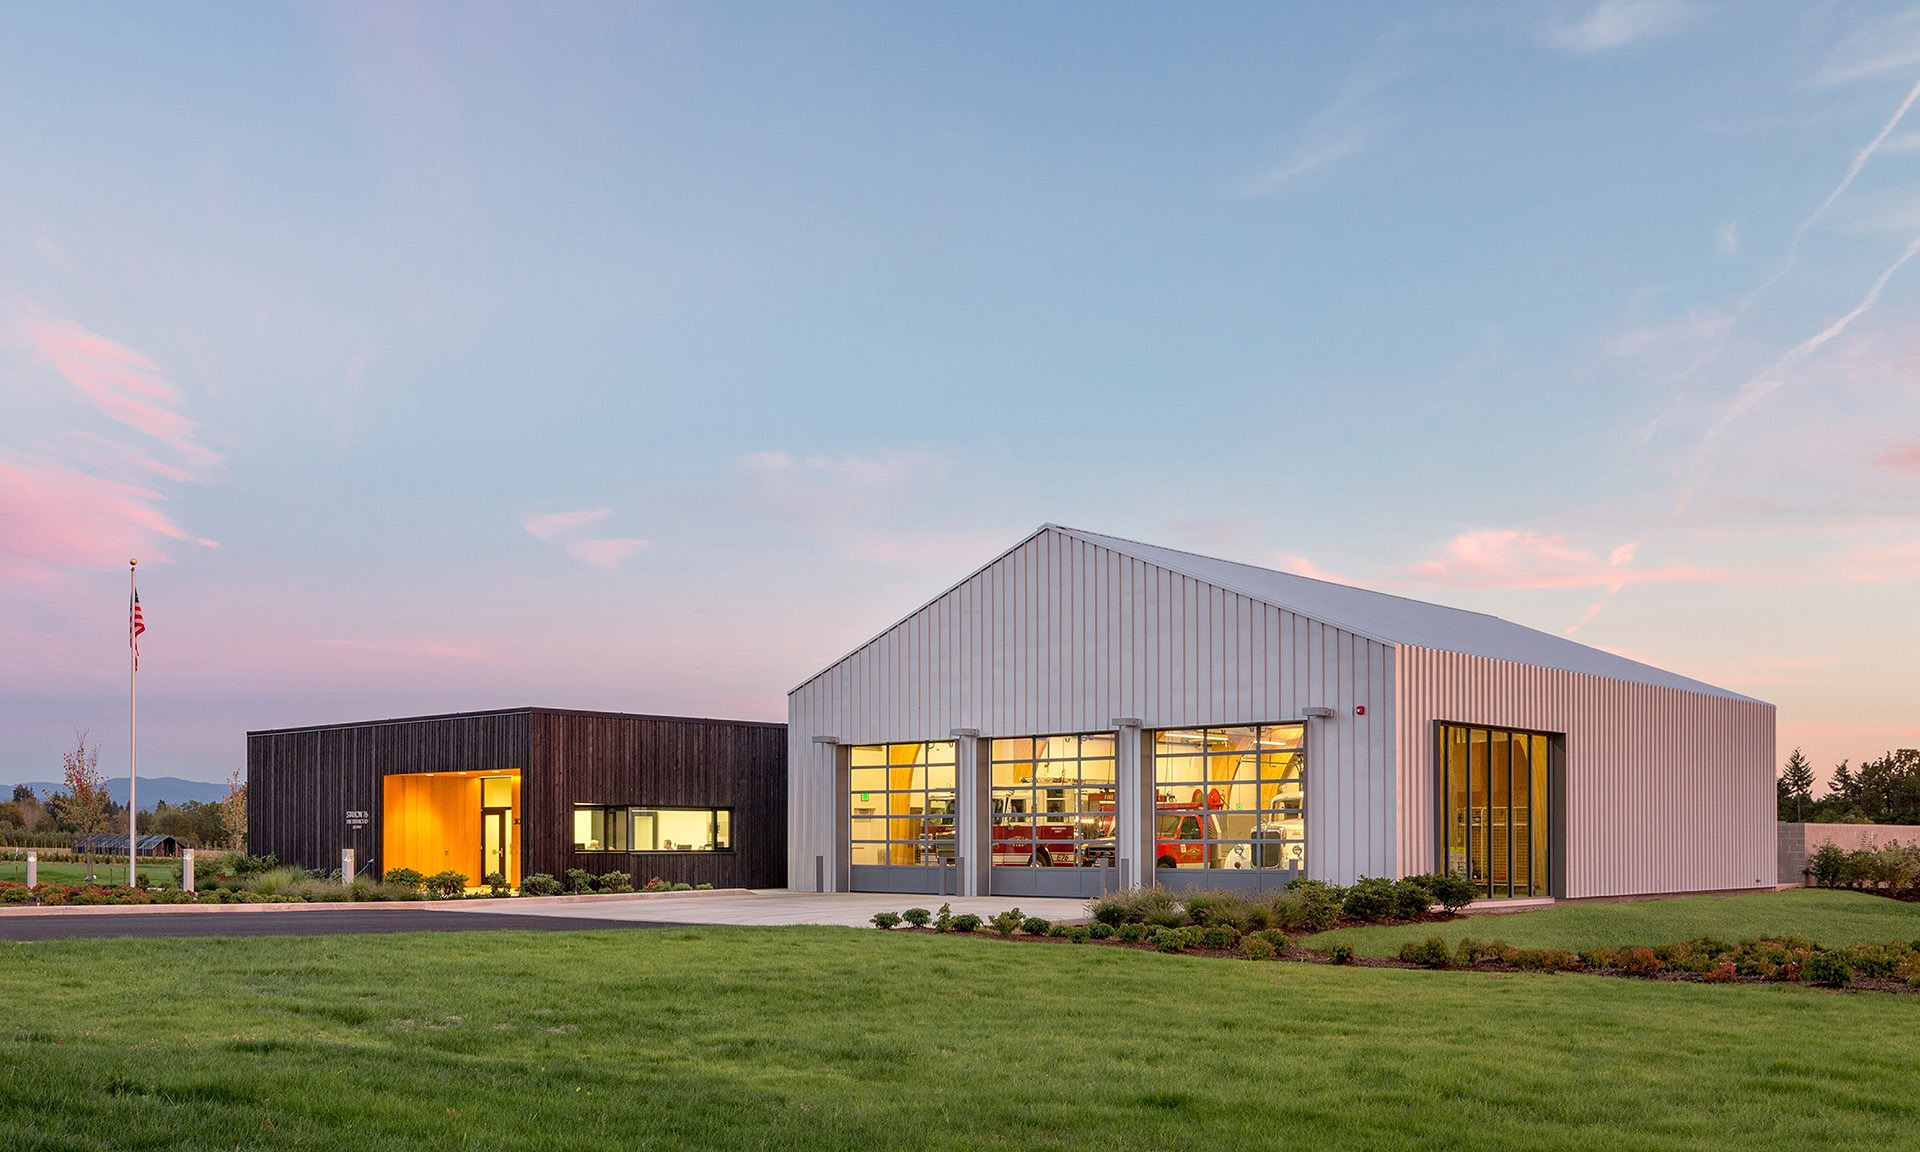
885	920
496	883
1080	933
967	922
1341	953
1433	953
683	886
1035	926
1057	930
1877	961
1829	866
703	887
1221	936
1412	898
540	884
1211	906
1256	948
1008	922
1545	959
1170	939
1451	890
1150	905
1372	900
447	884
1306	906
1100	931
1827	969
1601	957
1274	937
943	919
15	895
245	865
615	882
580	880
1131	933
654	885
918	917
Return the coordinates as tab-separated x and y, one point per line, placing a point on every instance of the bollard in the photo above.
346	867
33	869
186	870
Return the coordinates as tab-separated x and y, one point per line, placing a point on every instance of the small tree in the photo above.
233	812
86	793
1796	785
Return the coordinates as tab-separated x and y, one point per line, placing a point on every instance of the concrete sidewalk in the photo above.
768	907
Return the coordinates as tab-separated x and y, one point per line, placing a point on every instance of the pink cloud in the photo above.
53	515
548	525
604	553
417	648
1904	460
1522	558
120	382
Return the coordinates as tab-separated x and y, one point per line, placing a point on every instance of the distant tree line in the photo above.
82	807
1883	791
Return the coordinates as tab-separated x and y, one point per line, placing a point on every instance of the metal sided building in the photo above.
1086	713
525	791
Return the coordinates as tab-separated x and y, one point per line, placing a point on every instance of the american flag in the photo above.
136	624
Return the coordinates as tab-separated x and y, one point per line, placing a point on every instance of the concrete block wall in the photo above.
1800	841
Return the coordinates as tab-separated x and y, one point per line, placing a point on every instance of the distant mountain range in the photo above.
153	789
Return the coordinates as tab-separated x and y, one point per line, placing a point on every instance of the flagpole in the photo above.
133	717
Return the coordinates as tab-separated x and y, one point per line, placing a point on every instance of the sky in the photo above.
649	357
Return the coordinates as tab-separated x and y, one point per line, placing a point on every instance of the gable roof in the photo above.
1398	620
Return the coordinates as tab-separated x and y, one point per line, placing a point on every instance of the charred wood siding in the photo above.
647	761
301	783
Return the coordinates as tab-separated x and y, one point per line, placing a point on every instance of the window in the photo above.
1231	798
601	828
1053	801
1494	799
900	810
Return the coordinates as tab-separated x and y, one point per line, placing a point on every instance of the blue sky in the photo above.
649	357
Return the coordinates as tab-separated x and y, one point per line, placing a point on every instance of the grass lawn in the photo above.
1827	917
105	871
802	1038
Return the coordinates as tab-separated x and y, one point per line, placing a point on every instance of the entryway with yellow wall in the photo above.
465	822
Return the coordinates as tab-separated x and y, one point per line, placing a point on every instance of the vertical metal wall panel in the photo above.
1063	635
1666	790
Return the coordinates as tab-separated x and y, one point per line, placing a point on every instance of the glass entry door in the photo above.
496	833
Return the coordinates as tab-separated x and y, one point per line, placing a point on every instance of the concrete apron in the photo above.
778	907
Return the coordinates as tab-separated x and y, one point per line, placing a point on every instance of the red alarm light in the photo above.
1359	709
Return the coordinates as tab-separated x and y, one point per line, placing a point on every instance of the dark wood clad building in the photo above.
525	791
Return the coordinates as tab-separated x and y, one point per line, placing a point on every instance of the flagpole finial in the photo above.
133	563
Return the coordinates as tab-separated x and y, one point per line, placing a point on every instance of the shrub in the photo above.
1080	933
1222	936
1828	866
1100	931
14	896
1341	953
496	883
1255	948
1451	890
943	920
1131	933
1036	926
1170	939
656	885
1638	961
1212	906
1371	899
703	887
1876	961
580	880
918	917
1724	974
540	884
885	920
967	922
447	884
1545	959
1057	930
683	886
1412	898
245	865
1274	937
1008	922
1150	905
615	882
1827	969
1601	957
1434	953
1306	906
